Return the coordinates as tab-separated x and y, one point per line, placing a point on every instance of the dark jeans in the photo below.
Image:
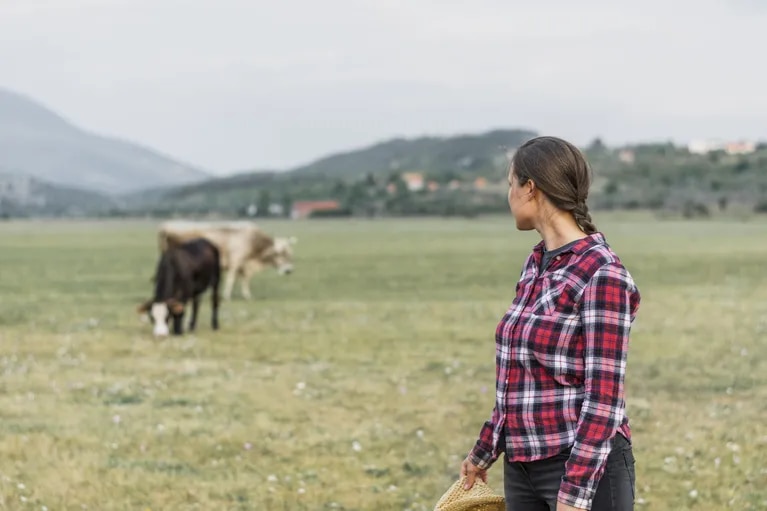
533	486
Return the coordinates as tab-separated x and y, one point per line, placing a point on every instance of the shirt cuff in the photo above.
575	496
481	458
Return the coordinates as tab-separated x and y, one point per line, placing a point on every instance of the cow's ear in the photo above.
175	306
141	309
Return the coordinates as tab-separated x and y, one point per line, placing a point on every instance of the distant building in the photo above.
432	186
729	147
19	190
740	147
304	209
627	156
480	183
413	180
276	209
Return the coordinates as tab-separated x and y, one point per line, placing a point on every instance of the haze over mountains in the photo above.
37	142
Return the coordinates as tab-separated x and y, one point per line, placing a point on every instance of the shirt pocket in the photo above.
557	297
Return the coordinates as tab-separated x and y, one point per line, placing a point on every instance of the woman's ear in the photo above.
530	189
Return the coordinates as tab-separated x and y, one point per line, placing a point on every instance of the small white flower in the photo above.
693	494
419	433
301	491
116	419
356	446
248	446
20	486
301	385
272	478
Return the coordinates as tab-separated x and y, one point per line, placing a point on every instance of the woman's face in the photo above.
520	202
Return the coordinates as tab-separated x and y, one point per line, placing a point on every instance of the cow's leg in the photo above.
229	283
195	308
178	324
215	281
245	275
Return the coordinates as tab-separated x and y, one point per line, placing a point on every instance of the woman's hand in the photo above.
561	506
471	471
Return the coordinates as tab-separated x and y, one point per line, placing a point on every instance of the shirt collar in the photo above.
580	247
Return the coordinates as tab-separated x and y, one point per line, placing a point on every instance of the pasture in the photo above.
360	381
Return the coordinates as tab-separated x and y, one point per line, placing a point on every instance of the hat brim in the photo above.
479	498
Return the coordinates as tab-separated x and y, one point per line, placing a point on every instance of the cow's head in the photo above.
282	254
161	313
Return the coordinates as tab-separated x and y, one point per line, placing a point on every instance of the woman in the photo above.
561	350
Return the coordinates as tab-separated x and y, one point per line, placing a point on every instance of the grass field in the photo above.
361	381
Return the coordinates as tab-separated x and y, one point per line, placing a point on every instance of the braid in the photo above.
583	218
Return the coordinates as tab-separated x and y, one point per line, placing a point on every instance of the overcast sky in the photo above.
239	84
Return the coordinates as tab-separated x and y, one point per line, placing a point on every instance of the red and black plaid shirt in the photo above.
561	352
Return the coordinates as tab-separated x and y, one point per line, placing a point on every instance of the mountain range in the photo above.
39	143
62	160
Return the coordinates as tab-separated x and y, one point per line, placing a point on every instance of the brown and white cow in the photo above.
245	249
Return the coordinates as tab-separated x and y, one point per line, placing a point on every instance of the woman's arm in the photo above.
608	306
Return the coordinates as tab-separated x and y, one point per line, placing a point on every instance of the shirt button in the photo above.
559	257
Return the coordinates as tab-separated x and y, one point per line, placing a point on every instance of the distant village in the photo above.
417	182
25	191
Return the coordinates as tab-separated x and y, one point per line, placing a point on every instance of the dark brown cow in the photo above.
183	273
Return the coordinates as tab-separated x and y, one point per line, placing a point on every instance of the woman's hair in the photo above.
561	172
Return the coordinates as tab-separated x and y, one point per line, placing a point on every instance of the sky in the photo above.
231	85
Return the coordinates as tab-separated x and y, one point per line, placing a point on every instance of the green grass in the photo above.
382	340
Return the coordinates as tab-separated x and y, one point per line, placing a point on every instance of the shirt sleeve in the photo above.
608	307
483	455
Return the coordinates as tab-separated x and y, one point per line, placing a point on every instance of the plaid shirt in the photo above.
561	353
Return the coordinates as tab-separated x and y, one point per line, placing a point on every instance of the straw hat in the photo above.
479	498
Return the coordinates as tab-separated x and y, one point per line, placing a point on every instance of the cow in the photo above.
183	273
245	249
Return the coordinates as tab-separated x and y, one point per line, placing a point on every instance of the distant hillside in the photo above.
35	141
27	196
432	155
371	181
442	158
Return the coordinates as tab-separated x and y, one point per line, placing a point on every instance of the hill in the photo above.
28	196
444	158
35	141
657	176
475	154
